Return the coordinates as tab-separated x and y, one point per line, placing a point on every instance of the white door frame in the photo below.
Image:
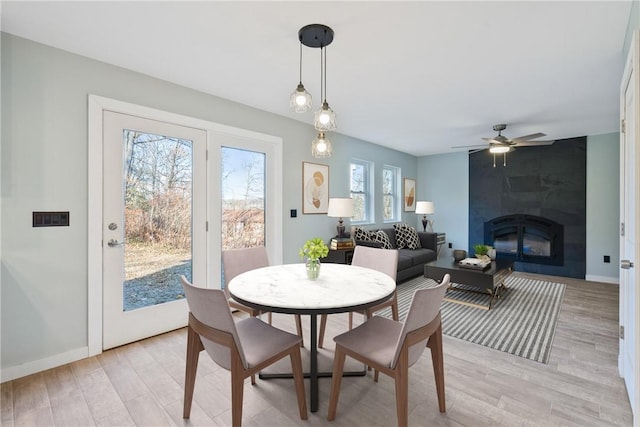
631	79
273	218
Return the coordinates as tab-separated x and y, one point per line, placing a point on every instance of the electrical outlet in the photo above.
607	259
450	245
294	213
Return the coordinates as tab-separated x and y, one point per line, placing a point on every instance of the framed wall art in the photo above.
315	188
409	195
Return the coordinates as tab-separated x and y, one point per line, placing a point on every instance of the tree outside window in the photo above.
390	192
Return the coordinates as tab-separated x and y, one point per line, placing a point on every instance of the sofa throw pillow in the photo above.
400	242
407	236
362	234
381	237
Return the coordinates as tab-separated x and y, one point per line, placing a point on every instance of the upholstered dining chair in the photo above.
244	348
392	347
238	261
383	260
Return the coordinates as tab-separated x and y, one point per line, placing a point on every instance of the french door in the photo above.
154	224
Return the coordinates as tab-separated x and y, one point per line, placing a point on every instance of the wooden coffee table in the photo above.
489	281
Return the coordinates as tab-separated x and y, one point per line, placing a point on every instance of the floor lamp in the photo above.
424	209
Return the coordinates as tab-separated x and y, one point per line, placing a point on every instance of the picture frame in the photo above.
409	195
315	188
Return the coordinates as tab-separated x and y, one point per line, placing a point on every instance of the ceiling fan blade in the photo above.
477	150
472	146
528	137
491	140
532	143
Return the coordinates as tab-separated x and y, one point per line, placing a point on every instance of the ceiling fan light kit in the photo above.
316	36
500	144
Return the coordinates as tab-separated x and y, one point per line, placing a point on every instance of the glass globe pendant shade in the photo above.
321	146
325	118
300	99
499	149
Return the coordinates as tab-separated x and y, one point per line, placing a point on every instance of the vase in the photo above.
313	268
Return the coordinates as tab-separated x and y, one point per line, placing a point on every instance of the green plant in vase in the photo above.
481	250
313	250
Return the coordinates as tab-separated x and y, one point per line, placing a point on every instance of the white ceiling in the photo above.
420	77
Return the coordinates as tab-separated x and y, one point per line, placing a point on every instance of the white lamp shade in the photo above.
340	208
424	208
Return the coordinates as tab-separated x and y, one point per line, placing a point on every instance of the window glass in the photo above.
390	193
360	188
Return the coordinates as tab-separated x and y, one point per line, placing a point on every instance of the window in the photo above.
390	194
361	190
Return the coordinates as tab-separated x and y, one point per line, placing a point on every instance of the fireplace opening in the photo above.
526	238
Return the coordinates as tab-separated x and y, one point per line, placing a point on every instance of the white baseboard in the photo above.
603	279
24	369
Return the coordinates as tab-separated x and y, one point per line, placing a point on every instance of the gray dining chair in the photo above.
382	260
238	261
392	347
244	348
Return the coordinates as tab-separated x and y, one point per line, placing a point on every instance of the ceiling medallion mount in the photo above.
315	35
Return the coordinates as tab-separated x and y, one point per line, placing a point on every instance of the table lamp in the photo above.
424	209
340	208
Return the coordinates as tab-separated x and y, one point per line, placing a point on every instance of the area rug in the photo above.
522	322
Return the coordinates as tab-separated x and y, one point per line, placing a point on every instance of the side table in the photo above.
339	256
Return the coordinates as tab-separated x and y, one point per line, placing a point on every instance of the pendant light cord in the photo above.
300	62
325	75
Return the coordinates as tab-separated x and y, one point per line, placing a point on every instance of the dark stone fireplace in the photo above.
526	238
534	209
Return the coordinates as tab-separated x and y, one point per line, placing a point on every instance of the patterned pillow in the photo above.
400	242
362	234
381	237
406	236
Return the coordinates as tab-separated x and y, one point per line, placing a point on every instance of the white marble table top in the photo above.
286	288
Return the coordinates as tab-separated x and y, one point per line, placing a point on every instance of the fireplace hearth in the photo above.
526	238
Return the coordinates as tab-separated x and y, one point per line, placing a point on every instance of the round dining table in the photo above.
286	289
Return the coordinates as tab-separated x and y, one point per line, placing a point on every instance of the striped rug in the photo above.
522	322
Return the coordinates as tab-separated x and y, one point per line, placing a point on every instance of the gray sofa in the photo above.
410	261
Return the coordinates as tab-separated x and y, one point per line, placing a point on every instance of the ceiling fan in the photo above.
500	144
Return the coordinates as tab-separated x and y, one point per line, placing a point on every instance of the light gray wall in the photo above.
444	179
44	167
603	206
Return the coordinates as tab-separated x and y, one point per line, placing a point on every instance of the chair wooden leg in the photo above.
323	326
194	347
237	391
336	378
394	309
402	389
298	378
435	344
299	329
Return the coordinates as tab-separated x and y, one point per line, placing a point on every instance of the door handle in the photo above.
626	264
113	243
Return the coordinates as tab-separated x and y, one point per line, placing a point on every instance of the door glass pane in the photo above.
158	172
243	198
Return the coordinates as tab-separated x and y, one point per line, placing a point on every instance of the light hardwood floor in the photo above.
142	383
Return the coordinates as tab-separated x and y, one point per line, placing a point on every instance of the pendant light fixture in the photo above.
321	146
325	118
316	36
300	99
